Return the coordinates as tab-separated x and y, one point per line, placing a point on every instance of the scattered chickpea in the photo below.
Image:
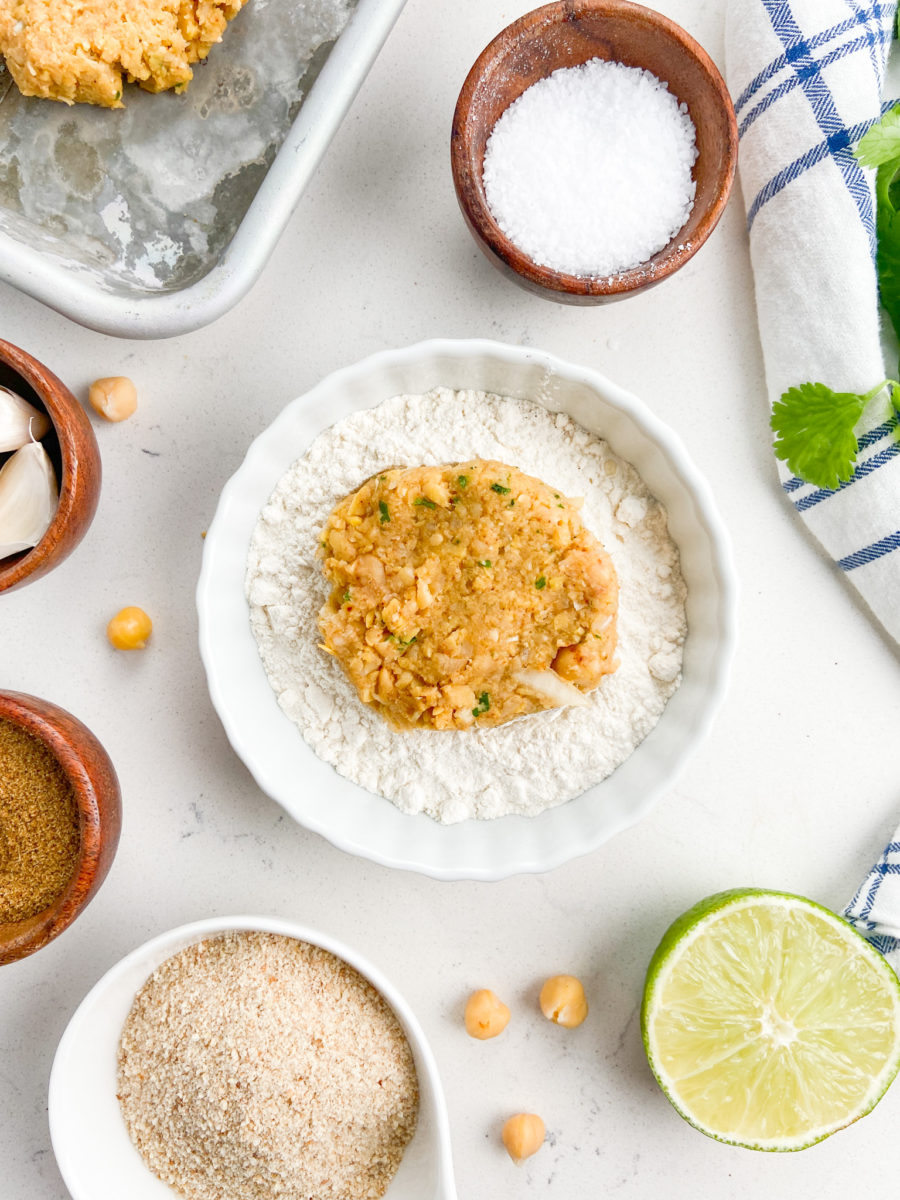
486	1015
114	398
129	629
563	1001
523	1135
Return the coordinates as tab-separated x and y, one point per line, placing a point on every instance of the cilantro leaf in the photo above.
887	221
881	148
881	145
814	432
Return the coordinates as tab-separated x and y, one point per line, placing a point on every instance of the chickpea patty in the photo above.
466	595
81	53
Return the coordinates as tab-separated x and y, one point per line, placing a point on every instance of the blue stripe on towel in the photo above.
864	469
863	16
880	431
884	944
810	44
789	85
858	912
824	109
814	155
868	439
869	554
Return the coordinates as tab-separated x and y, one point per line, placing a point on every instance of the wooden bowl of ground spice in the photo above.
593	149
60	816
74	458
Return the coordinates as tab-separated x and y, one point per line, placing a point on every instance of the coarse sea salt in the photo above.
589	170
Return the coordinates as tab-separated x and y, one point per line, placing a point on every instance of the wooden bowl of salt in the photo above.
62	816
582	193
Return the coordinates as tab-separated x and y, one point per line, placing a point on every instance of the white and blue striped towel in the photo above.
875	909
807	78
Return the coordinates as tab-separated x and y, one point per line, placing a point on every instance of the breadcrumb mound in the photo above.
83	51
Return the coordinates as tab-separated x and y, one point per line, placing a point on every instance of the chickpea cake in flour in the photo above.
531	763
464	595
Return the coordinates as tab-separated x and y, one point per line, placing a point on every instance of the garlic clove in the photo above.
28	499
553	687
20	422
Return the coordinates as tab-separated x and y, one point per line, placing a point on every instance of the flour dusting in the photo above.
529	764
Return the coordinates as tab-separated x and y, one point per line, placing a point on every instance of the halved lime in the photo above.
768	1021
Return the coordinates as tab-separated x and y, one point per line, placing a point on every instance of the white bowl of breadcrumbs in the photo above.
252	1057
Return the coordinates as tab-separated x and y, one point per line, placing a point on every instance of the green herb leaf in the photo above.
881	148
383	509
814	432
424	502
540	583
499	489
887	223
881	144
484	703
462	480
345	599
485	562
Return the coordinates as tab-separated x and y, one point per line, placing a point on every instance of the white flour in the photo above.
531	763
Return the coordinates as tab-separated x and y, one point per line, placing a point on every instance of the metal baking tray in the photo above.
155	219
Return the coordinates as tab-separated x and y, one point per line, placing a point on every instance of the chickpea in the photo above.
129	629
486	1015
369	569
114	398
563	1001
523	1135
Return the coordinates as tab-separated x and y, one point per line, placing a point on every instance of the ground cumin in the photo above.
38	825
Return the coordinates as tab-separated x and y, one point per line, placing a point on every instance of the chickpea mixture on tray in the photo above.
466	595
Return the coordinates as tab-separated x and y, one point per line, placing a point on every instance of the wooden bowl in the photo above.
75	455
93	778
567	34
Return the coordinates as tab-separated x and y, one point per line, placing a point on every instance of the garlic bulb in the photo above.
20	421
28	498
553	687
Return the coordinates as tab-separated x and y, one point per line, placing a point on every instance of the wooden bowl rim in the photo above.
467	174
60	404
20	938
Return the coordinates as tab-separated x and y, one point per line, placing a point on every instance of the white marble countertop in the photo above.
796	788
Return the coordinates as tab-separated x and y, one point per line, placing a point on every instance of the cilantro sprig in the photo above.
814	426
814	430
881	144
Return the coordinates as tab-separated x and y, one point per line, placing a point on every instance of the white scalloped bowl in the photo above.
353	819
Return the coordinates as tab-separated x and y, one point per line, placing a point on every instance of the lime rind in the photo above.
728	1045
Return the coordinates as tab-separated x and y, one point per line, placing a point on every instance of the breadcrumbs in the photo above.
254	1065
39	838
